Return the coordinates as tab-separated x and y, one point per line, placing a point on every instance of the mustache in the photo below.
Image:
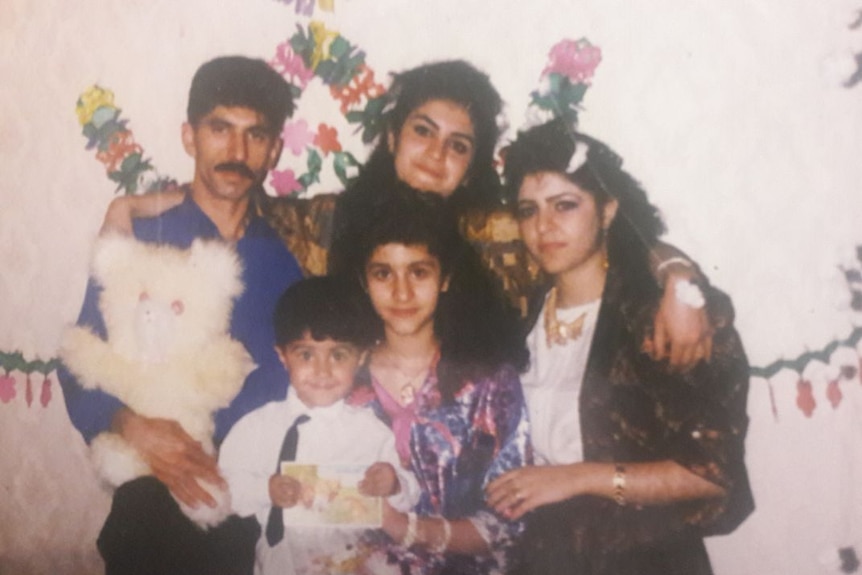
237	167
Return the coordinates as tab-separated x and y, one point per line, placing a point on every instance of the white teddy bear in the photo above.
167	353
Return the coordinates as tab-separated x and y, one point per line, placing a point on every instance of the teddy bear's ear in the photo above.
112	251
219	262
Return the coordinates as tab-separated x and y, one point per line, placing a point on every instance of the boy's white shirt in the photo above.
337	434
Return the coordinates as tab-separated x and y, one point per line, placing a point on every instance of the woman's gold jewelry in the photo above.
410	383
619	484
559	331
408	393
443	544
412	528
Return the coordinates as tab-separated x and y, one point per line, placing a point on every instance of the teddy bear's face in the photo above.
159	302
156	325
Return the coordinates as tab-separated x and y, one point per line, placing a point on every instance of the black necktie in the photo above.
275	523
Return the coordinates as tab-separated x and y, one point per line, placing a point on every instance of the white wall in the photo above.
732	114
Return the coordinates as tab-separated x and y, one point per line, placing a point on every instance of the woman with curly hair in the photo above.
635	462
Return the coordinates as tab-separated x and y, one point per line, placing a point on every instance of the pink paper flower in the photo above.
285	182
7	388
290	64
297	136
576	59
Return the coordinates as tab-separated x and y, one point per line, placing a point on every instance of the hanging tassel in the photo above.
28	396
833	393
772	405
805	397
45	396
7	388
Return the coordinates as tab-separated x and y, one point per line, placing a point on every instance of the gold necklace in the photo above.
407	390
560	331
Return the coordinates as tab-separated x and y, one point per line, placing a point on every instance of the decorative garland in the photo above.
306	7
563	82
800	363
115	144
316	52
856	77
15	362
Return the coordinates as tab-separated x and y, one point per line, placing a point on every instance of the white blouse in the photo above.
552	387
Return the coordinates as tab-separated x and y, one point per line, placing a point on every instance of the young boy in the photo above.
323	328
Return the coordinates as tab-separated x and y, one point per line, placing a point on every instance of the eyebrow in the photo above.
561	196
437	127
431	261
215	119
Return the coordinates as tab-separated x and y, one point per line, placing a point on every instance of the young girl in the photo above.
439	137
441	378
636	462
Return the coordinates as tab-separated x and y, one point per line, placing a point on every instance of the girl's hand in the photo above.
681	333
284	491
379	481
394	522
522	490
123	209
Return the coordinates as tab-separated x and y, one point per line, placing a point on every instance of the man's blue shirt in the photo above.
268	269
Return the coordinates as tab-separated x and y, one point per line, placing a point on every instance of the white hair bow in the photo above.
579	157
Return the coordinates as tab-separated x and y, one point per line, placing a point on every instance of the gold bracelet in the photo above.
412	528
447	537
619	484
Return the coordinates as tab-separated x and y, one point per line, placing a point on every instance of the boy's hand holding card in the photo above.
284	490
329	495
379	481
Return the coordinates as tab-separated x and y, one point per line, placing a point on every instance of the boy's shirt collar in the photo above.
295	407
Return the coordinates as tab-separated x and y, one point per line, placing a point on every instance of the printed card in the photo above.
330	496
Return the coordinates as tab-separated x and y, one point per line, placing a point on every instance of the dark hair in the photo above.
240	81
477	330
327	308
459	82
549	148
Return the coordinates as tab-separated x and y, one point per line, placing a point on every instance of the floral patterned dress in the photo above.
455	449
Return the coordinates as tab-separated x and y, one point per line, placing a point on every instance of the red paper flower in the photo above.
45	396
122	145
361	86
7	388
805	397
833	394
28	394
576	59
327	139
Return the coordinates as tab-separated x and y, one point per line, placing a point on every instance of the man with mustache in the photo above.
236	112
